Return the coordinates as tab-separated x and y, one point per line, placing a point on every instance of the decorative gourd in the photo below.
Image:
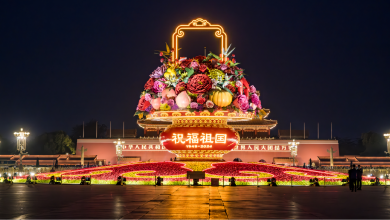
221	98
183	100
156	103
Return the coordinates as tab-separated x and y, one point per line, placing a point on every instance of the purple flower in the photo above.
259	105
171	102
194	64
174	107
224	67
148	97
255	99
148	109
244	107
194	105
252	89
164	101
242	99
158	72
200	107
158	86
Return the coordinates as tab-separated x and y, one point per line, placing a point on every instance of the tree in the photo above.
374	144
57	142
350	146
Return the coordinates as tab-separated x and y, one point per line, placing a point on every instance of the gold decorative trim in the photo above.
197	24
176	114
219	114
231	115
205	113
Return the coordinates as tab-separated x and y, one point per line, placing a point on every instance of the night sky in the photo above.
65	62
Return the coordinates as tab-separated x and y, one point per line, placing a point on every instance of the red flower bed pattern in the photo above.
283	174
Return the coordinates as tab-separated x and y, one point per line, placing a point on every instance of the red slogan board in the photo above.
199	138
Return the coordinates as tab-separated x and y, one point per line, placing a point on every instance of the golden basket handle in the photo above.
198	24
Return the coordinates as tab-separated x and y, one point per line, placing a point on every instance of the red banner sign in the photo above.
199	138
265	148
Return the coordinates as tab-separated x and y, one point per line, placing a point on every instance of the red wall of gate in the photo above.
105	149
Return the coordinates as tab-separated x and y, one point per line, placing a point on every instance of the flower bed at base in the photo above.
174	173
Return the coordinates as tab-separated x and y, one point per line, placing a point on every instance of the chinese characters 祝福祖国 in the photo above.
195	138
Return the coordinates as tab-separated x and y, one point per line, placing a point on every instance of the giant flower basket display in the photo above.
199	96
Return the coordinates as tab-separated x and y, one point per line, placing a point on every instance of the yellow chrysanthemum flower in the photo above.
217	74
165	107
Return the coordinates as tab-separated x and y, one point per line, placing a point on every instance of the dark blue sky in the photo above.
64	62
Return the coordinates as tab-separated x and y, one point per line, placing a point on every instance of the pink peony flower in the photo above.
194	105
224	67
158	86
255	99
242	99
171	102
158	72
209	104
194	64
252	89
164	101
148	97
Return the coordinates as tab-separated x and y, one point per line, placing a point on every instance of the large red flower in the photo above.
181	86
199	83
231	88
149	84
185	63
143	104
200	58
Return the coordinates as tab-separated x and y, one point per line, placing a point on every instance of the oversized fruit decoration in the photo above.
168	93
183	100
221	98
156	103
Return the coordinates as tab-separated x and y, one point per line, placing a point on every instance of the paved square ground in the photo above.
163	202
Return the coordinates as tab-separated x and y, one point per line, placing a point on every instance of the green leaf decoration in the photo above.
190	71
228	91
233	64
137	113
211	110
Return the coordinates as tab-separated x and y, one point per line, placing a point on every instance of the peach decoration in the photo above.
183	100
169	93
156	103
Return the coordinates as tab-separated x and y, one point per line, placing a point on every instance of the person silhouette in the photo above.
359	174
352	178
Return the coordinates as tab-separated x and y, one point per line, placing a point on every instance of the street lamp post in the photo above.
21	144
119	148
294	149
387	136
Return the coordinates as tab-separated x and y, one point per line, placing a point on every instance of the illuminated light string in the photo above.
198	24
